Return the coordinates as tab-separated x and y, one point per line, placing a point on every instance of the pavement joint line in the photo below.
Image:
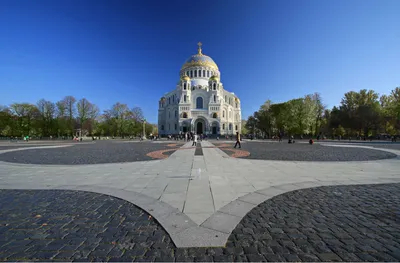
190	179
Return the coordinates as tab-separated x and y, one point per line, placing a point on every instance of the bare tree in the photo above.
69	102
137	114
47	111
87	112
84	108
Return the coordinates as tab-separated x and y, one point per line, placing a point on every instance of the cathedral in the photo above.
199	103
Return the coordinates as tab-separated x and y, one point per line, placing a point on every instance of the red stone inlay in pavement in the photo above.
160	154
223	145
237	153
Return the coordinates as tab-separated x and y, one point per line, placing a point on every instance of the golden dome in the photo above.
237	99
185	78
200	59
214	78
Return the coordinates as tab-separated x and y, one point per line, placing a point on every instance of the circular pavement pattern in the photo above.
21	145
335	223
306	152
394	146
90	153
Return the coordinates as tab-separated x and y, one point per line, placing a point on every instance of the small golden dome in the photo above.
185	78
237	99
214	78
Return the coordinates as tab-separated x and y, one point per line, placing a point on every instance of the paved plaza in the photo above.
168	201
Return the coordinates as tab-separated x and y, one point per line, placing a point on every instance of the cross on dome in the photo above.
199	48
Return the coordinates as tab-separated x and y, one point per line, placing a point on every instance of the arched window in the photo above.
215	98
162	127
184	86
173	98
214	86
204	73
199	103
208	73
184	115
230	126
187	73
184	98
236	127
223	114
195	73
176	113
215	115
236	105
175	126
226	99
223	126
191	73
169	100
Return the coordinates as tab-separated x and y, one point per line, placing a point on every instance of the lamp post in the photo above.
144	129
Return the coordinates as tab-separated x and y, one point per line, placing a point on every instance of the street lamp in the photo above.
144	129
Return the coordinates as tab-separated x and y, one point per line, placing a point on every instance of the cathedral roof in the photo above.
200	59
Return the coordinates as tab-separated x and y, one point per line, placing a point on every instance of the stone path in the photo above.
198	199
335	223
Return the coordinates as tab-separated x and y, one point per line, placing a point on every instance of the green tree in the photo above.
244	129
26	114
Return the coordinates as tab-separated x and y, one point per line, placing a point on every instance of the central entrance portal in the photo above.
199	127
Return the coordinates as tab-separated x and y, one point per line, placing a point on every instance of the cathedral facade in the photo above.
199	103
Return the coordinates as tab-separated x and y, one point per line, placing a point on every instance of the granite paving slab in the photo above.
21	145
329	223
394	146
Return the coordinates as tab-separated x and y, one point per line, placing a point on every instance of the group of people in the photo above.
194	137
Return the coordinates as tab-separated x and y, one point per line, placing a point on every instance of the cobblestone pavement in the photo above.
306	152
87	153
335	223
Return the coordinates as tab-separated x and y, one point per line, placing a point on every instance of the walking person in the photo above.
194	140
237	140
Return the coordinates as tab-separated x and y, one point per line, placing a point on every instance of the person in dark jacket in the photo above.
237	140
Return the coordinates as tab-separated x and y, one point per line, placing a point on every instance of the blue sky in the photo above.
131	51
